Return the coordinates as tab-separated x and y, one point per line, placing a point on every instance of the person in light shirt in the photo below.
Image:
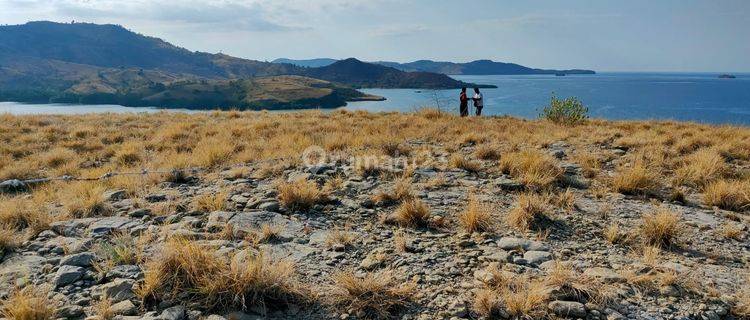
478	101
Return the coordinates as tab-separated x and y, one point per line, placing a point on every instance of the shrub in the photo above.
186	270
729	195
29	303
375	296
569	111
660	228
533	168
529	211
301	195
636	180
412	213
476	217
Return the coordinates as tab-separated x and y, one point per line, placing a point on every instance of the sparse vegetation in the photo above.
374	296
569	111
533	168
636	180
28	303
476	217
661	228
729	195
301	194
412	213
529	212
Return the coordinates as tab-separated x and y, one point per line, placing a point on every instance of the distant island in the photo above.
92	63
478	67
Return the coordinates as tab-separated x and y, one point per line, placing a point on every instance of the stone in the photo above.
537	257
372	261
173	313
508	184
511	243
118	290
66	275
139	213
124	308
115	195
12	186
249	222
83	259
125	271
156	197
16	266
570	309
604	274
499	256
112	224
70	312
272	206
217	220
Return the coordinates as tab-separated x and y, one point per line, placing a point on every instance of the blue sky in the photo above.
605	35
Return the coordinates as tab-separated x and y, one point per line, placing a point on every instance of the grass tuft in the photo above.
731	195
29	303
301	195
529	212
533	168
374	296
412	213
660	228
476	217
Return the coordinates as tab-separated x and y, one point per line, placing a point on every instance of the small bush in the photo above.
374	296
569	111
459	162
301	195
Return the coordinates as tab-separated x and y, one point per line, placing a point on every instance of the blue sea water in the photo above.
699	97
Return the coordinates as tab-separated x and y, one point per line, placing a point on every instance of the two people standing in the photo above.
464	99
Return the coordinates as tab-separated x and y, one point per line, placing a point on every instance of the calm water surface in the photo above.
701	97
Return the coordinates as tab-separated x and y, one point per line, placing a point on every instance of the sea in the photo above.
697	97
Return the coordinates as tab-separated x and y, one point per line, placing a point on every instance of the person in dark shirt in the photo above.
464	107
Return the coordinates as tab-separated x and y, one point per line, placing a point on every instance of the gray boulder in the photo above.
67	274
569	309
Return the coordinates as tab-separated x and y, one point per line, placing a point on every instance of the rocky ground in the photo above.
447	264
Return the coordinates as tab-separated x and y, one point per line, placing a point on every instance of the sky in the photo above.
604	35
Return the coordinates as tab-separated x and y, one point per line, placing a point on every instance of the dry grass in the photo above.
210	202
730	231
186	270
636	180
85	199
9	239
402	191
701	168
591	163
25	213
517	295
103	309
458	161
120	249
613	234
29	303
533	168
729	195
339	236
301	195
529	212
412	213
661	228
476	217
487	152
374	296
741	306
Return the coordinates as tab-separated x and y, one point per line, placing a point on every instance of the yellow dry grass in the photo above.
29	303
374	296
533	168
661	228
529	211
476	217
412	213
301	194
728	194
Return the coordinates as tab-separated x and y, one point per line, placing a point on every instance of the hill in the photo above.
478	67
44	59
309	63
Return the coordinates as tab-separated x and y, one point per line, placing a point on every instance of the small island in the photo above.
727	76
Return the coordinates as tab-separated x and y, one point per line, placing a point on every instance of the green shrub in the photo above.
569	111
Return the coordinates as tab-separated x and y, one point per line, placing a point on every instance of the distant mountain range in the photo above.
92	63
478	67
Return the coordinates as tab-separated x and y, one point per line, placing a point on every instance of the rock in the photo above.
125	271
249	222
272	206
507	184
156	197
499	256
83	259
118	290
139	213
372	261
604	274
217	220
537	257
70	312
67	274
510	243
557	153
215	317
12	186
16	266
568	309
173	313
243	316
112	224
124	308
115	195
